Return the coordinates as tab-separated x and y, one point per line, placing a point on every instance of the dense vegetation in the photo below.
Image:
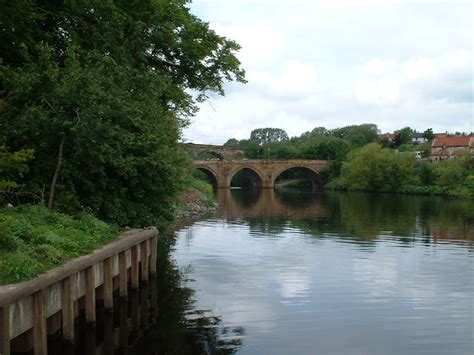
93	98
373	168
34	239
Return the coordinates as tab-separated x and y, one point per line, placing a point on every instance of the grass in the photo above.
34	239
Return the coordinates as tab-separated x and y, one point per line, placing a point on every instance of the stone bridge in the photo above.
264	172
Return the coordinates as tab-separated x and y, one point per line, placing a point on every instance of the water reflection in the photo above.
358	215
334	273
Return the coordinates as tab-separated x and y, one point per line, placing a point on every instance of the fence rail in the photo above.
27	306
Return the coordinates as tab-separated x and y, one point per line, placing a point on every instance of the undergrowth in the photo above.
34	239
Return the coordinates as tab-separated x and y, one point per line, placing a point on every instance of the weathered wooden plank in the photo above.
90	294
9	294
68	307
108	284
144	270
39	324
134	269
123	276
154	255
5	330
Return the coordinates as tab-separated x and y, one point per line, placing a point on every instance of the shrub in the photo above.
34	239
374	168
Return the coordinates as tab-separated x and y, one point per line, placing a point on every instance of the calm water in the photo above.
298	273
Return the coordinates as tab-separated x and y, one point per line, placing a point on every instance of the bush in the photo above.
373	168
450	173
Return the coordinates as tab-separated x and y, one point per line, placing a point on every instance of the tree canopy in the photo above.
268	135
100	90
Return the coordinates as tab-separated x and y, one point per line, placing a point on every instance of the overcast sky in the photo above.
333	63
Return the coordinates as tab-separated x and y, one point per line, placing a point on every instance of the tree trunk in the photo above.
56	172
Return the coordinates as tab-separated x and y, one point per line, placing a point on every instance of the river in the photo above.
288	272
282	272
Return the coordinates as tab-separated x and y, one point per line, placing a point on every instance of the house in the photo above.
390	137
418	138
447	146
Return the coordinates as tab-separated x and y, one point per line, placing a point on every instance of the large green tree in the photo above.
357	135
268	135
373	168
101	90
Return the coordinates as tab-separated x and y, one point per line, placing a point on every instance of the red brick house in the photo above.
447	146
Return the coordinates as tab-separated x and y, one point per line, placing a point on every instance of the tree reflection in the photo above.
361	216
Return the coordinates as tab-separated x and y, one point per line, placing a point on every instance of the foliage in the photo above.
34	239
198	181
268	135
13	166
428	134
374	168
404	136
110	83
450	173
357	135
426	173
231	142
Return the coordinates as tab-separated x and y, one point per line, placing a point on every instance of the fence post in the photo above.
39	324
134	269
108	283
123	277
153	256
90	294
68	308
144	263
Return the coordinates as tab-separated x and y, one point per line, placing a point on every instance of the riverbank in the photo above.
34	239
193	204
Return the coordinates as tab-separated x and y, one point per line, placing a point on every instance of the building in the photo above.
418	138
447	146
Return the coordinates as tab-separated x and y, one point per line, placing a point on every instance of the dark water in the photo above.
300	273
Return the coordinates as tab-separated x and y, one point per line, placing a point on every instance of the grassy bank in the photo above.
34	239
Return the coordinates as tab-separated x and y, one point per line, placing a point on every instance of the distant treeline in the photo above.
363	160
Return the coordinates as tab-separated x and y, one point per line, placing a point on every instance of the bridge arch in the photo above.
211	175
310	173
248	177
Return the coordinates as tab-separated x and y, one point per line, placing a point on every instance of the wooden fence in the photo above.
27	306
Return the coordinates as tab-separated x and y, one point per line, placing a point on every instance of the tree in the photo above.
231	142
404	136
357	135
428	134
374	168
100	90
268	135
450	173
